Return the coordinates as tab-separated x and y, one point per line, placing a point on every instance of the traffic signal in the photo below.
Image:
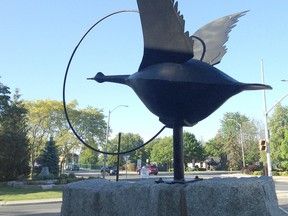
262	145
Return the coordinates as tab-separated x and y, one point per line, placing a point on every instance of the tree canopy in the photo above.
193	149
14	152
237	137
278	124
46	118
162	150
129	141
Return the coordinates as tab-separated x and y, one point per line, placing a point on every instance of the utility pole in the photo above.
107	137
267	132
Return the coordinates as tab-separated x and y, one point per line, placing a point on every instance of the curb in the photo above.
27	202
283	210
239	175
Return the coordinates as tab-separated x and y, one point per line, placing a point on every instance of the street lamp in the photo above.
267	133
241	140
107	136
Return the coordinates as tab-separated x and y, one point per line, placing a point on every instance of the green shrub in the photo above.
92	177
284	173
68	180
61	181
71	176
35	182
44	177
38	177
257	173
63	176
189	169
49	177
275	173
284	165
65	179
246	171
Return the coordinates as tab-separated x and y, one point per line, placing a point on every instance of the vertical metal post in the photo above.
242	146
107	137
106	145
267	135
118	156
178	153
241	140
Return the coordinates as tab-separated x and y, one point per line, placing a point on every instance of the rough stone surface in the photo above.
213	197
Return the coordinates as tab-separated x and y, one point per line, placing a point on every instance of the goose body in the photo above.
176	79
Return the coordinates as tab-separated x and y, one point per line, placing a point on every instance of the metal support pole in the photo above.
106	145
267	135
241	140
178	153
242	146
107	137
118	156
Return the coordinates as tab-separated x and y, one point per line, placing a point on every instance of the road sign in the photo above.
126	157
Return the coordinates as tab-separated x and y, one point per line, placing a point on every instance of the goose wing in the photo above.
210	39
163	33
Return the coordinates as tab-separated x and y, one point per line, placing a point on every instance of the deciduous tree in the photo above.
129	141
193	149
46	118
237	130
215	147
162	150
278	124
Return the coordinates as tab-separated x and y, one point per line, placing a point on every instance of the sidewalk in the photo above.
240	175
280	178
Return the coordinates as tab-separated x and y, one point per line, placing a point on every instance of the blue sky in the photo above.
37	39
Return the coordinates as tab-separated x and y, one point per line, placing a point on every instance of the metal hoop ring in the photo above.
64	88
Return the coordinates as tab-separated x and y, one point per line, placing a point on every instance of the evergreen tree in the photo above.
49	157
4	96
14	152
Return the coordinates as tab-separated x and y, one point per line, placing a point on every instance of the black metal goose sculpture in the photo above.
176	79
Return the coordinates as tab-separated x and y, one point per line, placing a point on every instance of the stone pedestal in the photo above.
212	197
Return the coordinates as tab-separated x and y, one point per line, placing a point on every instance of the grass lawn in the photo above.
8	193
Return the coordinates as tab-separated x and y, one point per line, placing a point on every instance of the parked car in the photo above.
110	170
72	167
153	169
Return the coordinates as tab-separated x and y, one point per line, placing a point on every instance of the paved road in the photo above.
282	193
54	208
32	209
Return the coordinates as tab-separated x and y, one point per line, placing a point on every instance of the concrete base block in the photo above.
213	197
